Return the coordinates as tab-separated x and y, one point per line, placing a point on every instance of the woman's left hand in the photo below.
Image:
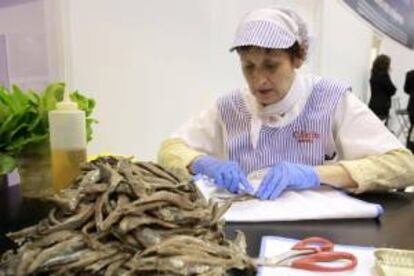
287	176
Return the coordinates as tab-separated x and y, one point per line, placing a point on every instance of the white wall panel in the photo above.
152	64
22	27
345	47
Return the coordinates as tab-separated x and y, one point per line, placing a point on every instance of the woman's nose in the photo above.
259	78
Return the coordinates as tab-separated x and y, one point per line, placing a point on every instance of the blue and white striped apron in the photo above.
302	141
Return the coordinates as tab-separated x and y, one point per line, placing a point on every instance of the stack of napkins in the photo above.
322	203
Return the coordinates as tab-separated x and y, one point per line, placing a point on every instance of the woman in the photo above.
304	129
382	88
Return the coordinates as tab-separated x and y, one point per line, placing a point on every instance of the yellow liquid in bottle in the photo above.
65	166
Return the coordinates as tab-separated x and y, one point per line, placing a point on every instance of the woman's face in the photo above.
269	73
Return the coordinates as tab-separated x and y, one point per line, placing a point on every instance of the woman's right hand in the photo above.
226	174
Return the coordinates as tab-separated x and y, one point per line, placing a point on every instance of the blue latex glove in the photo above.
287	176
226	174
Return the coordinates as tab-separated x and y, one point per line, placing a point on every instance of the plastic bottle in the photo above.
67	142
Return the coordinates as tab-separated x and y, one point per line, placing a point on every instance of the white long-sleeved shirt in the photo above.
357	132
373	156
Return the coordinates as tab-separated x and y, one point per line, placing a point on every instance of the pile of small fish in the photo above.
128	218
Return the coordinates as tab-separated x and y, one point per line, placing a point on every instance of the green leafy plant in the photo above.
24	119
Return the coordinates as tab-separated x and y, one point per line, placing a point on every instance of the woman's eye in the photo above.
248	67
270	67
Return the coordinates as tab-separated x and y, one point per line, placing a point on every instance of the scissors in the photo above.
309	253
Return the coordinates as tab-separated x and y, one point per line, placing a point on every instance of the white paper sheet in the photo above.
272	246
322	203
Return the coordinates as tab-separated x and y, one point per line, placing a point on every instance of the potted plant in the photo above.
24	133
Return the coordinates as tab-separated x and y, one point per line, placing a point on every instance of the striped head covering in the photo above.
274	28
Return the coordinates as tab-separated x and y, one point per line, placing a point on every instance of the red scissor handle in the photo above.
317	244
310	262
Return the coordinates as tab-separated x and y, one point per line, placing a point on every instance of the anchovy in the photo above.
124	217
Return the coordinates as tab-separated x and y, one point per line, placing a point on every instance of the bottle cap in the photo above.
66	104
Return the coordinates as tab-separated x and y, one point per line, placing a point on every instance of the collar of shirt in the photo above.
283	112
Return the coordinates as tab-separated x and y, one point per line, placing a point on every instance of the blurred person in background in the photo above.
409	89
382	88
